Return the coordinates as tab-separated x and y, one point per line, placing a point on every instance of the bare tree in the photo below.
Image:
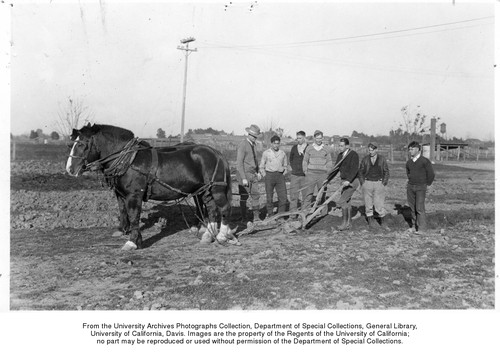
160	133
271	129
414	123
71	115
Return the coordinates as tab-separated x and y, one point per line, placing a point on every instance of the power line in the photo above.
263	50
322	41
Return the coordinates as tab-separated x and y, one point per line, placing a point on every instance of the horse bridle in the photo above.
88	147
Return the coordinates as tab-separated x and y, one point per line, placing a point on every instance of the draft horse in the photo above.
138	172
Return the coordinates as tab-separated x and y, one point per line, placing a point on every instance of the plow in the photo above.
298	219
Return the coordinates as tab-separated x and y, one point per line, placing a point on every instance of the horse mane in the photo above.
115	133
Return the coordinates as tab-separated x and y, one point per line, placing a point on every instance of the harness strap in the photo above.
153	170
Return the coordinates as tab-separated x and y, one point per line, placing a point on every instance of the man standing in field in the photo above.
420	175
316	165
247	173
273	167
374	176
297	177
349	180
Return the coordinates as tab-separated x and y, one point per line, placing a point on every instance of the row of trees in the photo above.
414	125
160	133
39	134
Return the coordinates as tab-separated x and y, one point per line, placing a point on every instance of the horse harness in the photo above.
122	160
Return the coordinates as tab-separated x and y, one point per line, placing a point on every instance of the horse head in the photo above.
84	150
92	142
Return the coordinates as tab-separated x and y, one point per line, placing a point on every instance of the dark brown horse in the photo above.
137	172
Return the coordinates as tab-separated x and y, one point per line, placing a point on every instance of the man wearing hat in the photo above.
374	176
247	172
316	165
349	179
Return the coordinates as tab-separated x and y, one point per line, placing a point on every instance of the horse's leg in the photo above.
224	205
133	203
124	227
211	231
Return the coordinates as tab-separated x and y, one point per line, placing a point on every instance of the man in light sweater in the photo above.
420	175
316	165
272	167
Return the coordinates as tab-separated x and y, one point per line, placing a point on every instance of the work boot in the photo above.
256	217
346	219
371	223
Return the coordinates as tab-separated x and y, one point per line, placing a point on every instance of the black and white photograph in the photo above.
248	176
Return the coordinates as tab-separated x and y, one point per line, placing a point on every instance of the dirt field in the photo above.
63	255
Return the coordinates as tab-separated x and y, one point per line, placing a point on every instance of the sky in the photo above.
331	66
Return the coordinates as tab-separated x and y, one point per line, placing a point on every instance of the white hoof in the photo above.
207	238
117	234
129	246
221	238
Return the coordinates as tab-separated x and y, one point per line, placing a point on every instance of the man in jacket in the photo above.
374	176
273	167
316	165
297	177
420	175
349	180
247	172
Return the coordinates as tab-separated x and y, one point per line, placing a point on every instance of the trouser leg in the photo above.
411	198
420	209
281	192
367	189
379	198
243	201
269	183
294	191
347	192
309	191
255	196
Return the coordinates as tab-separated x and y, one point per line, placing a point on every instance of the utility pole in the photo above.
432	144
187	50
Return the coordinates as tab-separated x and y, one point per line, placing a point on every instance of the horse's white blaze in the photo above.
69	163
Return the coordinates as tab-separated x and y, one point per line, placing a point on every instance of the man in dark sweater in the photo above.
297	178
374	176
349	179
420	175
